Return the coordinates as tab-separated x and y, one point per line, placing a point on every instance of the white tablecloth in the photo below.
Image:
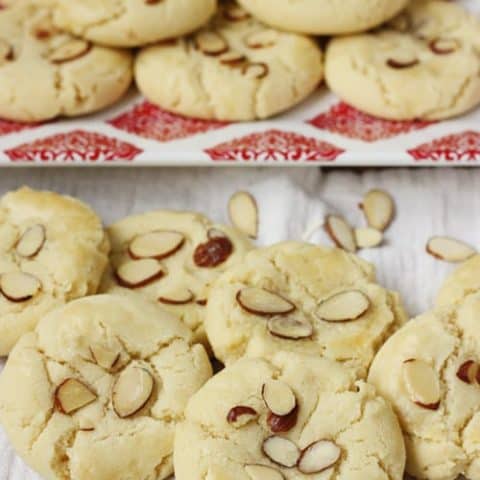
429	202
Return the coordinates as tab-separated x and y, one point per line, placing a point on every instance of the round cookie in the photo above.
177	256
96	391
324	17
429	371
234	69
425	64
301	298
53	249
330	426
45	73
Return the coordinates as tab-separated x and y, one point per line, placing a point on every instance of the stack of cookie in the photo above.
237	62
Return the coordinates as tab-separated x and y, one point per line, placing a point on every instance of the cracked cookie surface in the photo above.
424	64
333	412
429	371
234	69
53	249
97	389
276	299
46	73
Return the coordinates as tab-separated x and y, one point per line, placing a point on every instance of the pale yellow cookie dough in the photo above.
425	64
201	252
304	276
234	69
346	416
96	391
55	248
429	371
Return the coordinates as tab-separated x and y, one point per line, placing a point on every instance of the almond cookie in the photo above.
233	69
46	73
52	250
171	258
424	64
324	17
430	371
291	418
301	298
96	390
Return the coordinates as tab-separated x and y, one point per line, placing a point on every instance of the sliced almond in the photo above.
72	395
368	237
72	50
106	357
401	64
262	472
449	249
255	70
422	383
262	39
289	328
18	286
214	252
211	43
31	242
468	371
319	456
263	302
344	306
444	46
243	212
139	273
232	59
6	52
241	415
132	390
182	296
341	233
401	23
235	13
379	209
278	397
159	245
281	451
282	423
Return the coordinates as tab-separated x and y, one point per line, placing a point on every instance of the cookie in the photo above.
293	417
234	69
324	17
96	391
131	23
52	250
171	258
429	371
425	64
301	298
46	73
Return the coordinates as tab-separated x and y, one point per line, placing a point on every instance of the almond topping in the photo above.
278	397
282	423
18	286
319	456
344	306
211	43
263	302
422	384
449	249
214	252
379	209
232	59
131	391
139	273
444	46
182	296
31	242
255	70
262	472
104	356
262	39
72	395
235	13
468	372
341	233
159	244
368	237
6	52
69	51
243	212
402	64
281	451
241	415
289	328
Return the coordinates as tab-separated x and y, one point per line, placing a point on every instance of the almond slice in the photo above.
6	52
261	39
104	356
444	46
182	296
262	472
368	237
289	328
344	306
139	273
241	415
72	50
450	249
319	456
131	391
422	383
341	233
400	64
18	286
243	212
232	59
159	244
379	209
282	423
235	13
281	451
263	302
255	70
211	43
31	242
468	372
278	397
72	395
214	252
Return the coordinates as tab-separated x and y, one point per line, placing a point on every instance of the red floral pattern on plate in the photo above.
149	121
458	147
74	146
7	126
275	145
350	122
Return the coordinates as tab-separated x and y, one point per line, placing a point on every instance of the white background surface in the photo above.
429	202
